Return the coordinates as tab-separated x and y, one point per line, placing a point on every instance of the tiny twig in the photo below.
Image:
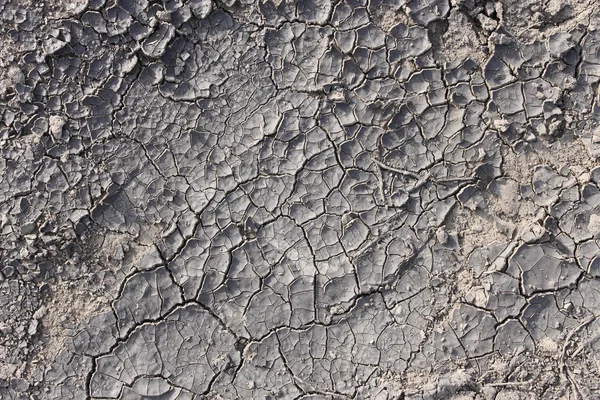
504	384
397	170
563	366
422	181
574	384
450	180
380	185
583	345
585	323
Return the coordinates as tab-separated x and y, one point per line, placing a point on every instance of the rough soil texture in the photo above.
275	199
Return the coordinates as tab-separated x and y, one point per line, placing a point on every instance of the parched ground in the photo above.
271	199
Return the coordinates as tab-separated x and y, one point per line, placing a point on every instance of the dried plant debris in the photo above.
307	199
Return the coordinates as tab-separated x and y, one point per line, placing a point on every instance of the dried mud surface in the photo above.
320	199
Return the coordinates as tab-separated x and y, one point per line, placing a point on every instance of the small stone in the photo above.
487	23
52	45
40	312
201	8
442	235
32	329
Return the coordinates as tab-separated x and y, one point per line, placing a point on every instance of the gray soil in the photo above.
272	199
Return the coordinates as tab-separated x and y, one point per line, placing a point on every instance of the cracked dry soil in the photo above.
312	199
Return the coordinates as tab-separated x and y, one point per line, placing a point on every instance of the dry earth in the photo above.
320	199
